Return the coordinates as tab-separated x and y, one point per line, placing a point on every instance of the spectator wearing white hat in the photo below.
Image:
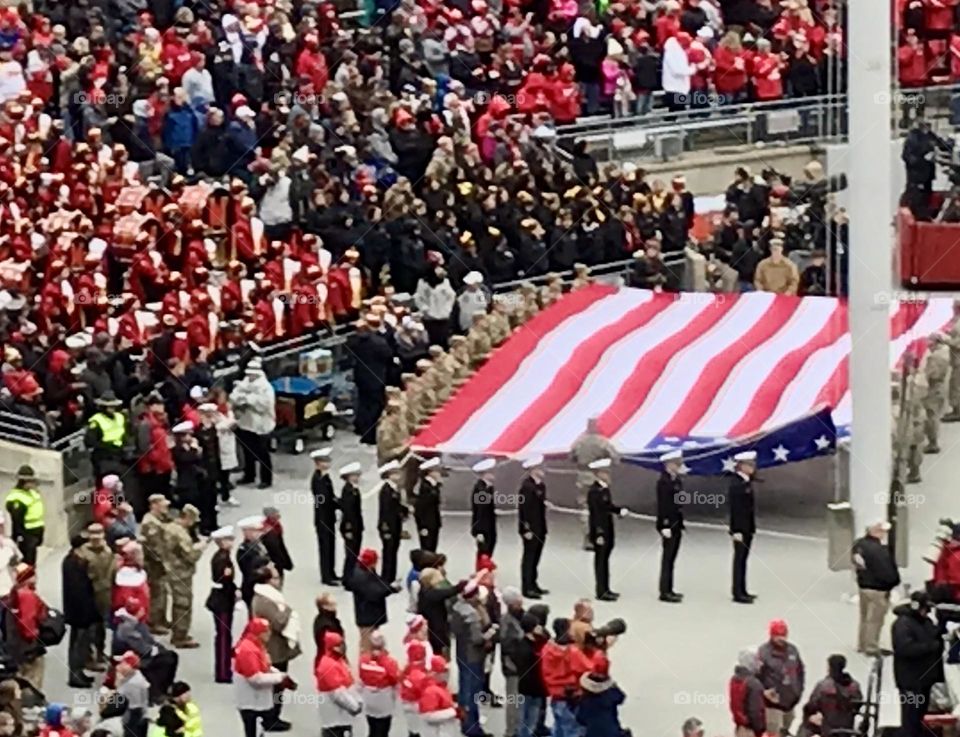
670	501
743	522
533	525
351	516
254	402
483	506
392	512
426	505
473	300
601	510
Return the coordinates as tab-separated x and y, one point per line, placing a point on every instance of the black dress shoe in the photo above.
331	582
614	593
671	598
78	682
264	485
531	594
608	596
742	600
677	594
278	726
245	481
752	597
543	592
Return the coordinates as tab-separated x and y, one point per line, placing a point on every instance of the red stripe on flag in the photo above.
571	377
502	365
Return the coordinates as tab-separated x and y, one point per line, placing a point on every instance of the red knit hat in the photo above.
25	572
778	628
368	558
130	659
485	563
438	664
416	652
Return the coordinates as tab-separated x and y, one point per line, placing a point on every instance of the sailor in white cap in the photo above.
325	514
483	505
533	525
390	519
351	516
426	505
743	522
670	500
251	555
601	510
877	576
221	601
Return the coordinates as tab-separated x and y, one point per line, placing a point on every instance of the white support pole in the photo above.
871	256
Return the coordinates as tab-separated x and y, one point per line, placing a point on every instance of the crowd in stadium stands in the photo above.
929	42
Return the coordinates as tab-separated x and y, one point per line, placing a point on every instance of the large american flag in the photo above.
664	370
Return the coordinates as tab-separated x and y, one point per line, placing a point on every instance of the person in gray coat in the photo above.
475	634
254	405
782	676
511	636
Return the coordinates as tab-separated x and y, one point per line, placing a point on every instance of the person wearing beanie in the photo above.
132	685
79	612
370	592
600	703
562	664
412	681
438	711
254	678
530	687
340	703
53	722
186	709
782	676
379	677
834	702
475	636
511	635
917	661
24	611
745	696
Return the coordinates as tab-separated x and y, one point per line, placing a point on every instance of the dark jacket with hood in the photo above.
917	651
599	706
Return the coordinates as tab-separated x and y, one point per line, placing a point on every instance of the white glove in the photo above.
667	533
599	542
737	537
480	539
528	536
623	511
858	561
424	532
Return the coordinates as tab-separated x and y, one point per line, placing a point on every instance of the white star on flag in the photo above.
822	442
780	453
729	465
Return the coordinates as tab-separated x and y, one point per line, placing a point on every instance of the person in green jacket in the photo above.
167	724
187	709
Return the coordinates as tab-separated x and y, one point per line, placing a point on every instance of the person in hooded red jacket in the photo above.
340	703
175	57
153	446
254	677
564	94
25	611
533	96
946	571
912	61
312	64
562	664
105	499
766	73
438	711
379	677
413	678
131	590
668	24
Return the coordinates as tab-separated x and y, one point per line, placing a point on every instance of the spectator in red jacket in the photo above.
946	571
562	664
745	696
254	677
25	613
564	95
312	64
912	61
105	499
413	679
339	701
131	590
153	445
938	17
438	713
732	64
668	24
766	72
379	678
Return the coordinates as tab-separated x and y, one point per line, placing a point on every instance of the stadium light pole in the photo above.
871	256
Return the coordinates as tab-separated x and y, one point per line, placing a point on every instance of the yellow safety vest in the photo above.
112	429
32	503
190	714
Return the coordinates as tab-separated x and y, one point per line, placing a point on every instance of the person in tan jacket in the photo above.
776	273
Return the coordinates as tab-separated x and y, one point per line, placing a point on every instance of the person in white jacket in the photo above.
435	299
226	424
438	712
340	702
379	679
254	677
254	403
677	71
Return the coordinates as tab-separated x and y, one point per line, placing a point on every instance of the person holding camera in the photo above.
743	524
670	498
917	661
601	511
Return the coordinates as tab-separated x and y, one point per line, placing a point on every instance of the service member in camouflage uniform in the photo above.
953	341
552	290
937	374
427	395
441	375
183	552
392	435
530	306
101	567
589	447
499	319
153	537
916	416
581	276
478	341
459	359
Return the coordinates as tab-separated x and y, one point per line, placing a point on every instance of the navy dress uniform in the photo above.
483	508
221	602
426	505
351	516
392	512
670	499
600	513
743	524
533	526
324	515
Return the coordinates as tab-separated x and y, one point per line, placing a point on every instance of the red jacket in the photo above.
767	79
313	65
699	57
250	656
561	667
938	14
103	507
157	459
912	63
130	583
379	671
946	571
332	671
435	697
29	610
564	94
730	75
413	680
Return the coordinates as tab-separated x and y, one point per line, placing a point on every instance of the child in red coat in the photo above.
379	677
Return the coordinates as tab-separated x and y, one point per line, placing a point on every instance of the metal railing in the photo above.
24	430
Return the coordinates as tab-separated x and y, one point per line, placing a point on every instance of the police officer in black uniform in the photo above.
670	500
390	519
483	521
351	516
533	525
426	504
325	515
601	511
743	523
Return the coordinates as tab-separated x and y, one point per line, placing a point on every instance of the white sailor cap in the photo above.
431	463
75	342
223	533
322	454
207	407
185	426
746	456
389	467
671	455
251	523
197	392
350	469
533	461
487	464
600	464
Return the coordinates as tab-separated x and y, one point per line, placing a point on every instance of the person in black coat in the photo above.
533	525
743	524
426	505
216	483
351	516
877	576
325	621
372	358
273	542
917	661
209	154
390	518
433	604
483	508
251	555
370	592
79	612
601	511
188	459
324	515
670	500
526	658
221	601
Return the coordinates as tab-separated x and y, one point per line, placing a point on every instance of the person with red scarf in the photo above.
413	679
437	709
340	703
379	677
254	678
25	611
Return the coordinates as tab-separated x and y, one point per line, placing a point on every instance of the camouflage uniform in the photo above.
916	415
499	322
551	291
953	341
478	341
182	556
459	359
101	568
392	435
937	373
581	276
530	306
153	537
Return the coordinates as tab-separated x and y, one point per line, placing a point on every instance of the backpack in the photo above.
52	628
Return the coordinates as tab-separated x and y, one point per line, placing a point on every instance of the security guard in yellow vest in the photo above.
106	436
25	505
187	709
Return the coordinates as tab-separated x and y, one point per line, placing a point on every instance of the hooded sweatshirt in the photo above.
745	696
437	711
413	680
599	705
253	675
379	677
339	702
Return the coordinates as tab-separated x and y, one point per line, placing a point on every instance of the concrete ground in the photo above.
674	661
